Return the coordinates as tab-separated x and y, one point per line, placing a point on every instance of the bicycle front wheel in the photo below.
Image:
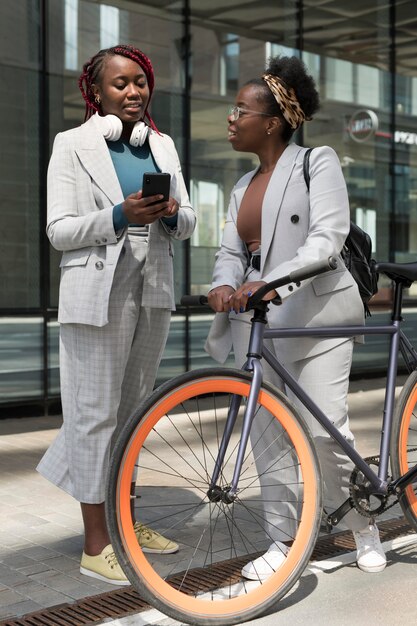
169	451
404	445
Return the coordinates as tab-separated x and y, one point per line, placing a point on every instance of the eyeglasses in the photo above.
236	112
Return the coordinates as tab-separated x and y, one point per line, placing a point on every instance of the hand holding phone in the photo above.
156	183
136	207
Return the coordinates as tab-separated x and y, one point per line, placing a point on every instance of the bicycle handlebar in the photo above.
320	267
194	300
293	277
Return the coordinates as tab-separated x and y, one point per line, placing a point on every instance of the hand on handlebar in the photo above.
219	297
238	300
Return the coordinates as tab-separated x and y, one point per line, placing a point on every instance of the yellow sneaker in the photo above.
151	541
104	566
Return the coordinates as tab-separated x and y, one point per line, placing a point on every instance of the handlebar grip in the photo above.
188	300
313	270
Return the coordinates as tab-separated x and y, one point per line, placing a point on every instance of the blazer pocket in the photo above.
332	282
75	257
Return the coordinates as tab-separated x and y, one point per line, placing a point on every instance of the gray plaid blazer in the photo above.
82	190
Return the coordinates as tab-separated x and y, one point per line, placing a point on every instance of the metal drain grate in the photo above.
127	601
112	604
332	545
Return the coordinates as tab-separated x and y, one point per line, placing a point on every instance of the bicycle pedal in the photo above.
326	525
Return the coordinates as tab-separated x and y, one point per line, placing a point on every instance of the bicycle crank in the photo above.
364	501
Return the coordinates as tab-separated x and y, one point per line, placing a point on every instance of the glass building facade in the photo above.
362	54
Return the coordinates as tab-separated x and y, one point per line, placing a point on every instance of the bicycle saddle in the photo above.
399	272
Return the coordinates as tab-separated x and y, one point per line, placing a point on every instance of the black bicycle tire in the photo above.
400	435
124	440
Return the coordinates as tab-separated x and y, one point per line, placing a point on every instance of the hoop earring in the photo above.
97	99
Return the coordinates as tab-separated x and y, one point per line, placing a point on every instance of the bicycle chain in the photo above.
356	498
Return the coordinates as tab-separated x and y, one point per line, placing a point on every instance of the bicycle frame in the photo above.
398	343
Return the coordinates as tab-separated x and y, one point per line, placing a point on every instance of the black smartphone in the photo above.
155	183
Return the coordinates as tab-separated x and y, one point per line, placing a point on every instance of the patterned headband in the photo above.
286	100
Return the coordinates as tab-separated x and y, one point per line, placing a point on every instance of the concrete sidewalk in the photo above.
41	532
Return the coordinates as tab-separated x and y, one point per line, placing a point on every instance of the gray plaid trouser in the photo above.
105	373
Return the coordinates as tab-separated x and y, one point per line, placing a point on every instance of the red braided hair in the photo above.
93	67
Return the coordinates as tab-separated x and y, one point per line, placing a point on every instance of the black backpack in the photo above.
356	252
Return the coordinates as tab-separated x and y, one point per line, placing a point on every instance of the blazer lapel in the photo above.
242	186
159	151
273	197
95	157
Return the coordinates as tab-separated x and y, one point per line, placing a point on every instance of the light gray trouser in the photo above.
105	373
325	378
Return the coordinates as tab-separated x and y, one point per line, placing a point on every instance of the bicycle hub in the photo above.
218	494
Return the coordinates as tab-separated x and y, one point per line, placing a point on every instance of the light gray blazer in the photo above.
82	190
298	228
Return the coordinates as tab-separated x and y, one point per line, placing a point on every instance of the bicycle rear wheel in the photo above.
404	444
169	450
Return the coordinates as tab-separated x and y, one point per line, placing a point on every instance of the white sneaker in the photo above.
265	565
370	555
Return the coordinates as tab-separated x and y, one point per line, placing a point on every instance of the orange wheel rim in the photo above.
158	586
402	445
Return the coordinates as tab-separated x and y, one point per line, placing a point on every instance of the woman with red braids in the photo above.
116	289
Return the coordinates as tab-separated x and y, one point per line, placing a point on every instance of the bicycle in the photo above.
189	452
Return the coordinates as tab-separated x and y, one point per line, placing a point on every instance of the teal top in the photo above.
130	164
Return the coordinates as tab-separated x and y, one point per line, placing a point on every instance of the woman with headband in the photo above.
116	289
273	227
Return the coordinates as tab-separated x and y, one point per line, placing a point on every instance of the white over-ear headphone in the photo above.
111	126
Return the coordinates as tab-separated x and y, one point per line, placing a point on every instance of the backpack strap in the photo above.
306	167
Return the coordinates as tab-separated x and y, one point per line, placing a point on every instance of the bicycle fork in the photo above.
229	493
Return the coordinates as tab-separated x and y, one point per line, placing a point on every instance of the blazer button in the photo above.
99	265
295	219
98	241
104	240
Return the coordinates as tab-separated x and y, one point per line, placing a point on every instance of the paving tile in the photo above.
39	553
57	582
11	577
16	560
50	597
77	591
10	596
66	521
75	544
20	608
42	593
28	520
42	577
61	563
35	568
9	541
